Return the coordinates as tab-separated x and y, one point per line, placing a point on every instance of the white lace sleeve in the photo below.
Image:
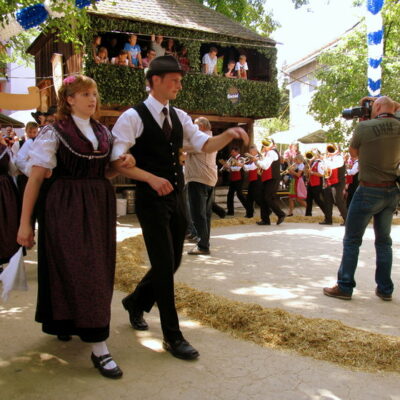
43	150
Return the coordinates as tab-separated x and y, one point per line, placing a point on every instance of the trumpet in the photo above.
231	162
286	171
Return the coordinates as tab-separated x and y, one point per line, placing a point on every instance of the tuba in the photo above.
331	148
267	142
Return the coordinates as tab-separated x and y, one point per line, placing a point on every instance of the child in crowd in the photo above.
122	59
241	67
184	60
230	70
95	45
102	56
134	50
170	49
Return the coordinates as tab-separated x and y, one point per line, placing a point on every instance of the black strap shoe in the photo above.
325	223
64	338
263	222
101	362
135	317
180	348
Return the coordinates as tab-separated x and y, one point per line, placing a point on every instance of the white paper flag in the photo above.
13	276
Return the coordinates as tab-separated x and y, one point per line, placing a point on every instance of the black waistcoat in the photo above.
154	153
276	167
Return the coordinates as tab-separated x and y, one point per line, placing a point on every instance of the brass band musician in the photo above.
234	166
270	177
335	162
254	188
316	174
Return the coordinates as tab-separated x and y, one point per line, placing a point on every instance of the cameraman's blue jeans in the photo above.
368	202
201	198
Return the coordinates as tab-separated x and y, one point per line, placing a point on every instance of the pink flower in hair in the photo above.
69	79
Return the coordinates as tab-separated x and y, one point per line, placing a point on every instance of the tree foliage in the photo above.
343	73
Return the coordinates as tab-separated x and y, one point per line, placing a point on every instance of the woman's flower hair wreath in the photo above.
69	79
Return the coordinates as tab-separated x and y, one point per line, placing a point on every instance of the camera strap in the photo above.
385	115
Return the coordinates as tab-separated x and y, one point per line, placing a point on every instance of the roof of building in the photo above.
5	120
186	14
313	55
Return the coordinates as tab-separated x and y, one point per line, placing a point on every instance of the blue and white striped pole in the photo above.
375	46
32	16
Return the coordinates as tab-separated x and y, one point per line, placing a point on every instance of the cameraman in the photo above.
376	142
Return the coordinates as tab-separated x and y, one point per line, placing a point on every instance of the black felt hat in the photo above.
163	65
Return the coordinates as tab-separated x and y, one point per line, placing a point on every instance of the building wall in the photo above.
302	86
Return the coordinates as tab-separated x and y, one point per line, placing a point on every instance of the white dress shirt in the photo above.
44	149
354	169
129	127
267	159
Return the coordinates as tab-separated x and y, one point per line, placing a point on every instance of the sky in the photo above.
310	27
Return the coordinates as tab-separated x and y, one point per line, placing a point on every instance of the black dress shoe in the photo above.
101	362
263	222
230	213
325	223
180	348
135	317
280	219
64	338
248	216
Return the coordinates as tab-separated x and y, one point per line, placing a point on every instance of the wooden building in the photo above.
224	101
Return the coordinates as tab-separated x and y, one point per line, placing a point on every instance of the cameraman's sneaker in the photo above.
337	292
385	297
197	251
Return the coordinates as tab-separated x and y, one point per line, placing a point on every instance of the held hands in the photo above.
238	133
128	161
160	185
26	236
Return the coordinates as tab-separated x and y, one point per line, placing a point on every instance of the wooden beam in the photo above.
221	118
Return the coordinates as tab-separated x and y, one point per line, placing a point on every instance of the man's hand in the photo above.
160	185
238	133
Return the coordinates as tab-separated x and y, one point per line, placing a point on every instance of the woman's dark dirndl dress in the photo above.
9	209
77	235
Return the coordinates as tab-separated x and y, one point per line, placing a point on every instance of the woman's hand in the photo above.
128	161
26	236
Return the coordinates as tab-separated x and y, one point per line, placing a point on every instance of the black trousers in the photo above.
350	193
163	223
329	200
254	194
314	193
235	187
270	200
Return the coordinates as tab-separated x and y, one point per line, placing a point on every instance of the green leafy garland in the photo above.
120	86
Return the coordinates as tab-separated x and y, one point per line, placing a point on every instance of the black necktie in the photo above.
166	126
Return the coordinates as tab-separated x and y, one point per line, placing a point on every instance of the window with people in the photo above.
136	51
232	62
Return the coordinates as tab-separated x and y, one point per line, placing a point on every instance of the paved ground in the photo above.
283	266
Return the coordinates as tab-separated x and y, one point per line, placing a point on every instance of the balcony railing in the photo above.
124	86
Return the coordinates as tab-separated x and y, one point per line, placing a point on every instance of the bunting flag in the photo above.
32	16
375	46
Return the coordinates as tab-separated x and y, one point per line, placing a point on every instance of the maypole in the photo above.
375	46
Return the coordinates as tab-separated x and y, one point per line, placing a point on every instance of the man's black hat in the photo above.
163	65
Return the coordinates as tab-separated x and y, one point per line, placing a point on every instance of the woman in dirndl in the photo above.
296	171
77	222
9	206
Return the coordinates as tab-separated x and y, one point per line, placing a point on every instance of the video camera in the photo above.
363	112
